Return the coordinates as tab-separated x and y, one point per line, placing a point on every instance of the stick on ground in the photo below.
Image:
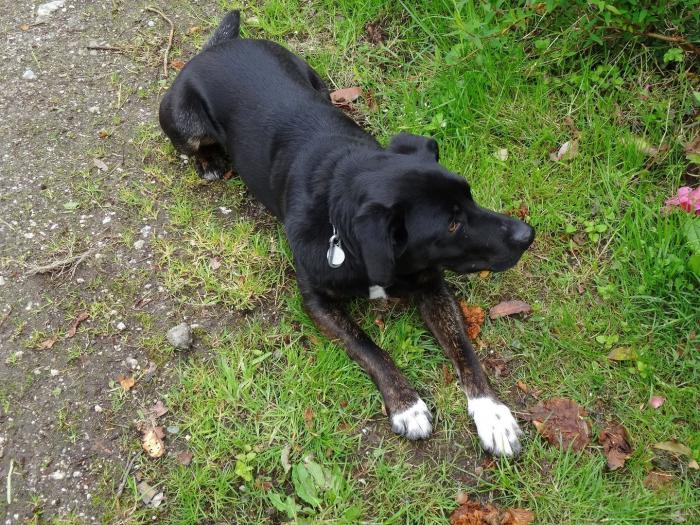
170	37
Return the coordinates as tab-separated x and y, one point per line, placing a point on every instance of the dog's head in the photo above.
416	215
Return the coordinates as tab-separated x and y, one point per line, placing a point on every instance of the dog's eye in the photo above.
454	226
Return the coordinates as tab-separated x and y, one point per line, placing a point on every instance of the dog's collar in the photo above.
335	255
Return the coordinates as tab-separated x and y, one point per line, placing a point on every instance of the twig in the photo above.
9	481
106	48
125	477
62	264
170	37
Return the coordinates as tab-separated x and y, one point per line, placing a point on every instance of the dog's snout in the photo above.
522	235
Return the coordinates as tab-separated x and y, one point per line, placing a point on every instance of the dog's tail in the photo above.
228	29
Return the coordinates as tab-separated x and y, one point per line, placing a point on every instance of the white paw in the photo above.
497	428
413	423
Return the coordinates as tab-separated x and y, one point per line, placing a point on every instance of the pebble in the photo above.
29	75
44	11
58	475
173	430
138	245
180	336
133	363
54	372
98	409
121	326
2	280
151	23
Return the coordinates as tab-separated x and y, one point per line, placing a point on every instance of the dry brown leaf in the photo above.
153	442
47	344
193	30
518	517
506	308
561	422
694	465
474	513
73	328
184	457
623	353
566	151
657	480
150	497
127	382
483	274
158	410
345	95
308	417
674	447
616	447
473	317
379	322
447	376
177	64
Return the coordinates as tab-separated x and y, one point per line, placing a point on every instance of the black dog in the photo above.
361	219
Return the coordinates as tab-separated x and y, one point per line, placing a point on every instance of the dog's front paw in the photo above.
497	428
414	422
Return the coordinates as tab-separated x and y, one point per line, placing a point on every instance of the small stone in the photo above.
2	280
173	429
58	475
93	109
54	372
138	245
180	336
121	326
151	23
98	409
77	474
44	11
29	75
132	363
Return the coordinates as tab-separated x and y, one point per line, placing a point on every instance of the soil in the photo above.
70	118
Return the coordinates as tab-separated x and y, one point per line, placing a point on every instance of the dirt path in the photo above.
71	116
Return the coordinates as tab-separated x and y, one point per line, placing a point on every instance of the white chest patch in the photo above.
413	423
497	428
377	292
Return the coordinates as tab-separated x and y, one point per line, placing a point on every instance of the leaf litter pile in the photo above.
474	513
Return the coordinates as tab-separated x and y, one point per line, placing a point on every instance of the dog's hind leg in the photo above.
496	426
408	413
190	135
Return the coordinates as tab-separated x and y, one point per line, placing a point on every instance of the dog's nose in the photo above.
522	235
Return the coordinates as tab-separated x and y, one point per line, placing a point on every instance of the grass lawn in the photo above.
608	269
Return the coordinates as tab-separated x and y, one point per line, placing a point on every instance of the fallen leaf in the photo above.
656	401
674	447
150	496
71	205
177	64
694	465
616	447
82	316
474	513
657	480
567	151
158	410
345	95
561	422
522	387
193	30
521	212
308	417
379	322
127	382
623	353
473	318
579	238
284	458
484	274
509	308
184	457
47	344
518	517
103	134
153	442
100	164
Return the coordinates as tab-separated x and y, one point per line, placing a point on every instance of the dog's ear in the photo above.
380	233
407	144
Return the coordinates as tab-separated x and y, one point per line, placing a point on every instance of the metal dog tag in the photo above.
335	255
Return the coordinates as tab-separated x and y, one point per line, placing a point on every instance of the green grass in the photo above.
272	386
